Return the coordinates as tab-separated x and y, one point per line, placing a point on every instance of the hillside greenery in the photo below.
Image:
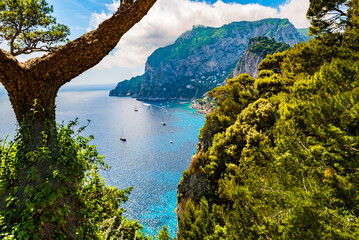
201	59
262	46
281	152
127	87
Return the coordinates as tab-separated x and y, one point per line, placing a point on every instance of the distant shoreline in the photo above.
97	87
201	109
67	88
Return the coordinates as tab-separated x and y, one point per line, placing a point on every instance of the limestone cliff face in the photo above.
201	59
191	189
248	63
258	48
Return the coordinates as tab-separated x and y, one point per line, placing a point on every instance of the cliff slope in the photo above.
128	87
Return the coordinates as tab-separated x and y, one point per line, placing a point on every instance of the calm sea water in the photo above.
147	160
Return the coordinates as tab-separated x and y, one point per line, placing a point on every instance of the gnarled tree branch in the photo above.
9	67
72	59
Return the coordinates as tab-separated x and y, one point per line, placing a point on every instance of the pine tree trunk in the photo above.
34	107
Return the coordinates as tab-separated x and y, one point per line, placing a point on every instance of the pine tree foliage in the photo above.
164	235
28	27
328	16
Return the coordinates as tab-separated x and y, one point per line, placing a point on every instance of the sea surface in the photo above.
148	160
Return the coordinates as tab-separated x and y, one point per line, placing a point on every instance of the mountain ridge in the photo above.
202	58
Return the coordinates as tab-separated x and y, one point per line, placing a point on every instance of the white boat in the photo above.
123	139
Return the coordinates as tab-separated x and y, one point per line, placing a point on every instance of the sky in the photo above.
164	23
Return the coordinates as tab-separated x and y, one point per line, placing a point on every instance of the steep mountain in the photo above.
258	48
128	87
202	58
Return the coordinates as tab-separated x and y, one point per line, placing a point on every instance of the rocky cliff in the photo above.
202	58
258	48
248	63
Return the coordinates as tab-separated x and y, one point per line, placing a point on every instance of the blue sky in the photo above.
77	13
163	24
269	3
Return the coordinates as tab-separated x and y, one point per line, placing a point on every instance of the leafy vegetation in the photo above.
281	152
329	16
71	177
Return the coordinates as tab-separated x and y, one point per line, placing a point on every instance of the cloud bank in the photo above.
169	19
295	11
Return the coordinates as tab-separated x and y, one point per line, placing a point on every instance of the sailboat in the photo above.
136	110
123	139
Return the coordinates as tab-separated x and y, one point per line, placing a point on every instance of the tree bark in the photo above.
32	87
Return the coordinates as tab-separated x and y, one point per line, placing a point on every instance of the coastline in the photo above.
201	109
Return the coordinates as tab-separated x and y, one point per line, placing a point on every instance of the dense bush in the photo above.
262	46
71	189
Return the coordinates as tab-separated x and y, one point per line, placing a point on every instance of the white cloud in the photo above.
168	19
113	6
295	11
96	19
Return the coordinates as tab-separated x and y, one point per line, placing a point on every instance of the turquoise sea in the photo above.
147	160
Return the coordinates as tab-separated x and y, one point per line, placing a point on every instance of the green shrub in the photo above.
63	191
